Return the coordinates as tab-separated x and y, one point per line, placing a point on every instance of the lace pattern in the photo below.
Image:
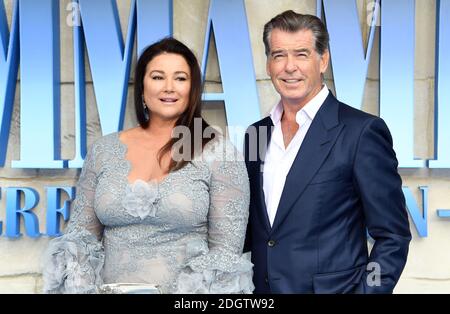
168	233
73	264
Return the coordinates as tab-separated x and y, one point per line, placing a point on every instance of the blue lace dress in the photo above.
185	233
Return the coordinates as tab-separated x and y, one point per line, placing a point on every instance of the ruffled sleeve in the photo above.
219	266
72	263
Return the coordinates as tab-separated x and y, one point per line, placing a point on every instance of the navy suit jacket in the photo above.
343	182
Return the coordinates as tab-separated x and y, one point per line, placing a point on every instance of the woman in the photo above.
143	216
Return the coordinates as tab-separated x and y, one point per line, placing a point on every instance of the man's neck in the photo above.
290	109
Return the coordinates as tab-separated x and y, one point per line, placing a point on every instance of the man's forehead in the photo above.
295	49
282	40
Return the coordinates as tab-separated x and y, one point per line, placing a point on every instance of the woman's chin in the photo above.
167	116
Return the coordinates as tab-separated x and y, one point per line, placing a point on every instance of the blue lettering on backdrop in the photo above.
39	85
419	219
79	91
442	90
153	22
350	62
230	31
228	21
442	93
9	64
110	71
443	213
397	77
319	8
1	223
53	210
110	61
13	212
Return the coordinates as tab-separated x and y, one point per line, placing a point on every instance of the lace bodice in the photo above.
185	233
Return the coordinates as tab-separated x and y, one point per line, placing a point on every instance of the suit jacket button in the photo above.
266	280
271	243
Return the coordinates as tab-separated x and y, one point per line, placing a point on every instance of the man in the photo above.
325	174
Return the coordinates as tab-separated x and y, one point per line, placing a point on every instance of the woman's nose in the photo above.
169	85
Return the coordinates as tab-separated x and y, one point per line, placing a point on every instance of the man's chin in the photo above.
294	99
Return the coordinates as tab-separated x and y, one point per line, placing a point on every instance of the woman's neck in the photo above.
160	128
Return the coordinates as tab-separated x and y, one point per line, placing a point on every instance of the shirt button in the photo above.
271	243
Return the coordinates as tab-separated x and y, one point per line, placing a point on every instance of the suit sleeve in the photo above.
380	189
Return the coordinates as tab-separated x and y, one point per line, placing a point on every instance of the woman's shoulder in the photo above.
105	148
105	142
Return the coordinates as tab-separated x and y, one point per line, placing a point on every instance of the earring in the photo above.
146	115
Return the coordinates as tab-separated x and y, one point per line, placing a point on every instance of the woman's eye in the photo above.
181	79
157	77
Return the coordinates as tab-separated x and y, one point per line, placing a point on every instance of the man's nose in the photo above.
290	66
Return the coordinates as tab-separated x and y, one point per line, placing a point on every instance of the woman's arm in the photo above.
72	262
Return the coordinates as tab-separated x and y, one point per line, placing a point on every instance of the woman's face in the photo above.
167	83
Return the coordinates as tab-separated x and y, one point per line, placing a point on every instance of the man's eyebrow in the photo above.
277	51
302	50
307	50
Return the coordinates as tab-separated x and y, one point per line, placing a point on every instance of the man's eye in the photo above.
278	56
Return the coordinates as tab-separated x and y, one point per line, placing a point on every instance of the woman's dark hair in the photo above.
193	109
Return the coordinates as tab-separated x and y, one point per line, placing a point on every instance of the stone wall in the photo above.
426	270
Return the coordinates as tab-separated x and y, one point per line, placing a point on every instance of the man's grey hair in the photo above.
291	22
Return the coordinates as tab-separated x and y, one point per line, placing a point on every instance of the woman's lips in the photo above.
168	100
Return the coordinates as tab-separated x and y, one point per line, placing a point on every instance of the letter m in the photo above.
9	64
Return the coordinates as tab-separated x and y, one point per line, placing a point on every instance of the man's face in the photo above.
295	67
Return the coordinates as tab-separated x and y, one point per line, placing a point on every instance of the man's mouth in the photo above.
291	81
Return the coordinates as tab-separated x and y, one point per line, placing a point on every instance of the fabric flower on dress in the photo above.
141	198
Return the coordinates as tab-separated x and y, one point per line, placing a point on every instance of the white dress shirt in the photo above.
279	159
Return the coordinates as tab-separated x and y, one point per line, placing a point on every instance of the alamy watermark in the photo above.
256	141
374	275
373	16
74	17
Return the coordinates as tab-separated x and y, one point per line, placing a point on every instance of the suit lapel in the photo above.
264	133
316	146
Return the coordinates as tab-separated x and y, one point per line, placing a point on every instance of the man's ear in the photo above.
324	61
